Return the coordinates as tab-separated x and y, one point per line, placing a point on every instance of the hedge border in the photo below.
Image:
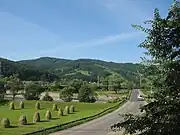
70	124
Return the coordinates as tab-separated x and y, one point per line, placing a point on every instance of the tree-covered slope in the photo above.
86	69
24	71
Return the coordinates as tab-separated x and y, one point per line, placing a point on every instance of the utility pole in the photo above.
140	79
98	81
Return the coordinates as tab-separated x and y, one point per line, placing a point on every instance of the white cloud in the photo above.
95	42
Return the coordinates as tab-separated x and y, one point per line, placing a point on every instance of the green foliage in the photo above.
84	69
12	106
36	117
48	115
25	72
66	94
14	85
5	123
2	88
66	110
72	109
21	105
23	120
161	116
60	112
37	106
54	108
33	91
46	97
76	84
86	94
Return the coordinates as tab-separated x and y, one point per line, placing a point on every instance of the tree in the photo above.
116	86
86	94
66	94
14	85
33	91
77	85
161	117
2	88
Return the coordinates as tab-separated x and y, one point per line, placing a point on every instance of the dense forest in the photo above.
50	69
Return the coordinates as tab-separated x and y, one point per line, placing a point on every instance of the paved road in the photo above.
101	125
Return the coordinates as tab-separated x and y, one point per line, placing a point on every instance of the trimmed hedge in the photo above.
54	108
37	105
60	112
23	120
36	117
5	123
48	115
21	105
12	106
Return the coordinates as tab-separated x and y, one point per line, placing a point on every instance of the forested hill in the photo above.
86	69
25	72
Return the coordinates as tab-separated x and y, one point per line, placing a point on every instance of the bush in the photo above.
66	110
86	94
36	117
72	109
54	108
21	105
33	91
23	120
115	100
66	94
37	105
48	115
11	106
5	123
47	97
60	112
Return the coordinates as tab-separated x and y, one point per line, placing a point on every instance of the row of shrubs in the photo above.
36	118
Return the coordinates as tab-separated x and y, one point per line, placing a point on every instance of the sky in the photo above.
73	29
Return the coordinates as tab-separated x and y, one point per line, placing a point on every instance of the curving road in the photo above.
101	126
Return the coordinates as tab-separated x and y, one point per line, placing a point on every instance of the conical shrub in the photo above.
23	120
66	110
36	117
21	105
48	115
60	112
11	106
5	123
55	107
72	109
37	105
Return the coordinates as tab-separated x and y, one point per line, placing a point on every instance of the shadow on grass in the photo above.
76	111
55	118
44	121
72	113
31	123
13	126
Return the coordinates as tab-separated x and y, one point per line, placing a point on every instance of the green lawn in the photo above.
82	110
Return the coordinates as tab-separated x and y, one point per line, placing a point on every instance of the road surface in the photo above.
101	126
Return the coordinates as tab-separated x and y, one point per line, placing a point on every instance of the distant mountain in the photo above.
86	69
24	71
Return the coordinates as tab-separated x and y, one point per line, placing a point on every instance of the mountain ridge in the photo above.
84	68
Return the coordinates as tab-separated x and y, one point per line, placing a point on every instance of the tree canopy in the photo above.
161	117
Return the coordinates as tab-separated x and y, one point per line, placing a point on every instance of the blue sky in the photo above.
73	29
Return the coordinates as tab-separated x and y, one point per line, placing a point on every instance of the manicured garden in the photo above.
30	108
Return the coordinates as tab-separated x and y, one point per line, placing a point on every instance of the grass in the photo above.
82	110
